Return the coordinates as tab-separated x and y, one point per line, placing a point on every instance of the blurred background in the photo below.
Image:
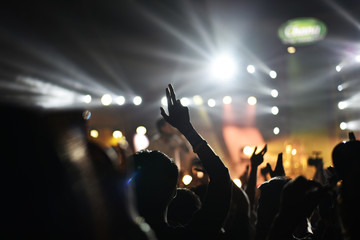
285	73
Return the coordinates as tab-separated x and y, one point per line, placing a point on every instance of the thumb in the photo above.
163	113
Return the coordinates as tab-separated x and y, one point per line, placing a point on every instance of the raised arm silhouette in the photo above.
155	178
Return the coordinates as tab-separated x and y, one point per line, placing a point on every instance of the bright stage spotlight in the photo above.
343	125
338	68
340	88
198	100
120	100
211	102
248	151
106	99
274	93
272	74
94	133
250	68
137	100
185	101
227	100
141	130
291	50
164	101
223	67
252	100
357	58
342	105
86	99
187	179
276	130
117	134
275	110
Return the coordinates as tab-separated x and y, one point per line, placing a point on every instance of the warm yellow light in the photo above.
199	174
248	150
291	50
293	152
237	182
117	134
288	148
198	100
141	130
106	99
187	179
94	133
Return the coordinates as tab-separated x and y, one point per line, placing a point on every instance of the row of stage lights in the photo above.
107	100
344	104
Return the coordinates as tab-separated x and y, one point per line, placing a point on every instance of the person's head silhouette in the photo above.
155	177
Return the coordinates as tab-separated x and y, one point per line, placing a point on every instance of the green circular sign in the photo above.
302	31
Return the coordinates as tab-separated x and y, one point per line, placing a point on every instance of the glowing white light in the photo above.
250	68
185	101
275	110
343	125
94	133
227	100
357	58
137	100
198	100
252	100
211	102
141	130
117	134
141	142
86	99
223	67
187	179
274	93
272	74
164	101
120	100
276	130
342	105
291	50
106	99
293	152
248	150
237	182
340	88
338	68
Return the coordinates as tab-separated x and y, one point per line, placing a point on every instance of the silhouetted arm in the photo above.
256	160
209	220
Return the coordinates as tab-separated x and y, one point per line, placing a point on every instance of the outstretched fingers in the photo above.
172	93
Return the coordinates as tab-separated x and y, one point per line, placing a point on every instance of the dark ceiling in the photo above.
137	47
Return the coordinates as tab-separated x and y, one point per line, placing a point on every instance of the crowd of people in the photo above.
57	184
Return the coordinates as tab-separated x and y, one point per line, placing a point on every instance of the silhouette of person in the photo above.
183	207
155	175
171	142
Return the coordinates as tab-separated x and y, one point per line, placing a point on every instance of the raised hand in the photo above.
352	136
257	159
178	115
279	168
